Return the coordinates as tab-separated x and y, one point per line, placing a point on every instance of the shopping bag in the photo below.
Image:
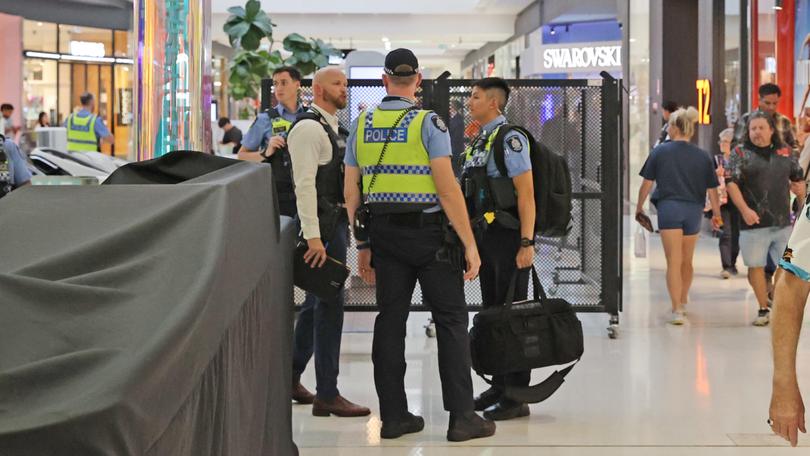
640	242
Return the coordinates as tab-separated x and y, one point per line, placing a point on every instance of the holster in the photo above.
362	223
452	250
330	215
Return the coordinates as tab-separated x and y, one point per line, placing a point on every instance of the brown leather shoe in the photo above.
338	406
301	394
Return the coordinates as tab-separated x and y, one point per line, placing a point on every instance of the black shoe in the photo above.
487	399
408	425
506	410
468	426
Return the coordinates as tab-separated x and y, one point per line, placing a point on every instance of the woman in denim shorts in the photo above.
683	174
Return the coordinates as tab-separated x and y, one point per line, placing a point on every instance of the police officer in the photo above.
505	235
401	156
318	146
13	172
266	140
86	130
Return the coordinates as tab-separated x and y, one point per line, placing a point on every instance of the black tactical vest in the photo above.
329	179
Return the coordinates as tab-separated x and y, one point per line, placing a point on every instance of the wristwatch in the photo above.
526	242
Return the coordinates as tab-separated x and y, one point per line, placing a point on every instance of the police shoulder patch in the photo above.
514	144
439	123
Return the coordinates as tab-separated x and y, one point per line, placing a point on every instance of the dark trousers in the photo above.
730	237
319	330
403	255
499	247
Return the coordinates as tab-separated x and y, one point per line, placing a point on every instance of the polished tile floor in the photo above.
701	389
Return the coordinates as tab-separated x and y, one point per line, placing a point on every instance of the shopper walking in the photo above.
763	172
683	174
667	108
730	234
769	96
13	170
398	162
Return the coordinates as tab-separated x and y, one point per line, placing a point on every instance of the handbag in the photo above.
521	336
324	282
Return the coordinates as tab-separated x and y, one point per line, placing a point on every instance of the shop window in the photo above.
39	36
85	41
39	89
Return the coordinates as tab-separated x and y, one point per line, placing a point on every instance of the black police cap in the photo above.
401	57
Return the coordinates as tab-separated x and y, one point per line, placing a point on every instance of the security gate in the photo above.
578	119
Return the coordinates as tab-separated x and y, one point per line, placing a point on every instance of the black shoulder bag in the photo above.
522	336
362	216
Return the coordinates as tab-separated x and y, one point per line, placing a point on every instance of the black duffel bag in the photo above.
522	336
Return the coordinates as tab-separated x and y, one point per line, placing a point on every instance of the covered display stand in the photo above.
147	319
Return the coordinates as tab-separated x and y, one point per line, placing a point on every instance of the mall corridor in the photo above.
657	390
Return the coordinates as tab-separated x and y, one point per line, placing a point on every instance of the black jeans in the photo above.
730	237
403	255
319	330
499	247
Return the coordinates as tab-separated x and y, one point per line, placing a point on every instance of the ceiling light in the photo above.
385	39
553	31
777	5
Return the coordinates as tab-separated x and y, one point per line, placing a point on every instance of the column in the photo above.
172	77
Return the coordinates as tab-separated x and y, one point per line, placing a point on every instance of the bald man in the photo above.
317	146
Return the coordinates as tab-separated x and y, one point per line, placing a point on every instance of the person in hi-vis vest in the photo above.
85	130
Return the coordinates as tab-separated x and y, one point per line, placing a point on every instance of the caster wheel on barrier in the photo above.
430	330
613	332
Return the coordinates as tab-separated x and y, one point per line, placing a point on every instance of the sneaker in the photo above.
763	317
677	318
726	274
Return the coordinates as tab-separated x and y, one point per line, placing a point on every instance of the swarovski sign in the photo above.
582	57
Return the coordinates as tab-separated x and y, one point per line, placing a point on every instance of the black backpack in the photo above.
552	184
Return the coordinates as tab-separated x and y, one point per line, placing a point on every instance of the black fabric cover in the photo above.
147	319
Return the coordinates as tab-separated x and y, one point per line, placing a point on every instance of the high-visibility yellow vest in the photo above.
81	133
404	181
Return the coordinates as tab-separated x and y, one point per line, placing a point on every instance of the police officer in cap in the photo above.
503	213
13	170
400	156
266	140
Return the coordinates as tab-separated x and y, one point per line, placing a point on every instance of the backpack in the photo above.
552	184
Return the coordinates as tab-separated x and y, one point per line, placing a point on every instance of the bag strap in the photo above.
500	159
537	393
539	291
382	153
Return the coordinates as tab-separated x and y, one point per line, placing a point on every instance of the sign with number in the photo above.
704	90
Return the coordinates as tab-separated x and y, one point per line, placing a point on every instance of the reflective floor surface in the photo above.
701	389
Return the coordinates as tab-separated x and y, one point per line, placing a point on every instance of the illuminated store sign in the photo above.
87	49
704	90
597	56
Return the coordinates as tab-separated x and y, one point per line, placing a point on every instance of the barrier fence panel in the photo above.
578	119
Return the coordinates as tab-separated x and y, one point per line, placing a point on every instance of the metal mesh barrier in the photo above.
577	119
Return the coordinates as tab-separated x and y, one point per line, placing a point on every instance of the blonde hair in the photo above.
684	120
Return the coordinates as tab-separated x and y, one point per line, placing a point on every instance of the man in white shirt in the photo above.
317	146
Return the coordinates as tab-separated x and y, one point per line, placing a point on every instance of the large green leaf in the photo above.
237	11
252	39
237	31
264	24
252	8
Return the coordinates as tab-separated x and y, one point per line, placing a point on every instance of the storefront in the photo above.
577	50
61	62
